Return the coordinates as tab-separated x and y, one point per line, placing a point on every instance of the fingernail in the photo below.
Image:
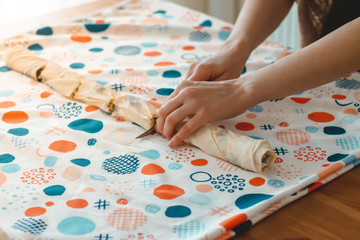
171	144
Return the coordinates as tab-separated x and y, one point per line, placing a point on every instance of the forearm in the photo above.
326	60
256	21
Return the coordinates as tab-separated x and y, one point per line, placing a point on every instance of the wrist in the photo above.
238	46
246	92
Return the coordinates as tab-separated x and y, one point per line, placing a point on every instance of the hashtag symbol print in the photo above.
103	237
55	131
101	204
117	87
267	127
148	183
221	211
279	151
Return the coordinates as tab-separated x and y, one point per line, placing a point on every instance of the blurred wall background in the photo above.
228	10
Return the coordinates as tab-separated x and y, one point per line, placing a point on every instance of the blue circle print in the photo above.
6	158
97	27
45	31
171	74
35	47
19	131
96	50
77	65
149	44
152	73
127	50
165	91
4	69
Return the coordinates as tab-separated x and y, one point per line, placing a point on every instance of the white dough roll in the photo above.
25	62
134	109
61	80
248	153
243	151
94	94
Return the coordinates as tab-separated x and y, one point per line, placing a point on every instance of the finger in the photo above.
226	76
173	119
164	111
191	69
185	131
184	84
202	72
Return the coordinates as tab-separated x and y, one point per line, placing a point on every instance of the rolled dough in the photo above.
250	154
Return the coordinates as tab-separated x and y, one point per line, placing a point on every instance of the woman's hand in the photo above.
201	102
228	63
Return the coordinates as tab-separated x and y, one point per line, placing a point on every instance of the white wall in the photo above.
228	10
17	10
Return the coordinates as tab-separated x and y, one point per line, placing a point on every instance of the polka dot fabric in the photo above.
70	171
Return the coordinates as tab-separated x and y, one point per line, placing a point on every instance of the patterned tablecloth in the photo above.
70	171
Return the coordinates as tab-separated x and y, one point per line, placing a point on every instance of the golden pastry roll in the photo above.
134	109
95	94
60	79
24	61
248	153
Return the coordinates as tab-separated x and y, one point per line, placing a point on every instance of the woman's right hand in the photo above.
227	63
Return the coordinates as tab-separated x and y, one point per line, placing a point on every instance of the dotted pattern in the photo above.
228	182
134	79
288	171
30	225
15	194
139	236
33	91
124	164
309	154
181	155
140	90
322	91
348	143
277	114
348	83
121	187
38	176
68	110
188	229
23	142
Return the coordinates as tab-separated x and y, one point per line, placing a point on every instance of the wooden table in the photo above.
330	212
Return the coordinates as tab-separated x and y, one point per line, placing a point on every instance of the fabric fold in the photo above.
248	153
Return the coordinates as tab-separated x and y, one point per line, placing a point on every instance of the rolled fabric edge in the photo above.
243	151
265	155
134	109
95	94
25	62
248	153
